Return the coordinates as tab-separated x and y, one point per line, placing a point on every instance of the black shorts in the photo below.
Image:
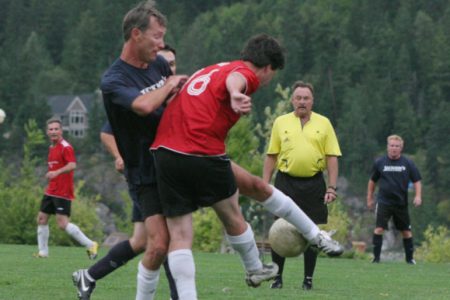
307	192
53	205
399	214
148	201
186	182
136	214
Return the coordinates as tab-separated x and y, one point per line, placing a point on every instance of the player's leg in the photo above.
282	206
43	231
154	256
181	260
382	217
117	256
171	280
63	209
240	236
43	234
403	224
157	242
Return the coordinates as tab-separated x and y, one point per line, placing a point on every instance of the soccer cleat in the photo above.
255	278
277	284
376	261
325	243
307	284
411	262
93	251
83	284
40	255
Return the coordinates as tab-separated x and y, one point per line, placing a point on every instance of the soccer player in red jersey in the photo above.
193	170
59	193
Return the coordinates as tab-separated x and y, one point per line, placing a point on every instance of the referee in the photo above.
302	145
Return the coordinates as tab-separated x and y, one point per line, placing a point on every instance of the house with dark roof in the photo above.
73	110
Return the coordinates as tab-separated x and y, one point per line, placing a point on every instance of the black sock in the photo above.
279	260
172	285
117	256
377	243
310	258
409	248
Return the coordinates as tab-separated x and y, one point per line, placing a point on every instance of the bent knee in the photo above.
156	252
138	244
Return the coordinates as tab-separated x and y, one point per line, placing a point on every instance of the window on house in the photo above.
78	133
76	117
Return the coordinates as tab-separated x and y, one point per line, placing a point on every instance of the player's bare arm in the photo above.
66	169
370	191
236	86
418	198
110	144
149	102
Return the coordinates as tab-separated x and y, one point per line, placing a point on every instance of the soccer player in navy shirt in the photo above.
393	173
135	89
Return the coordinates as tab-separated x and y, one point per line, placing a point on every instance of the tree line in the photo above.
378	67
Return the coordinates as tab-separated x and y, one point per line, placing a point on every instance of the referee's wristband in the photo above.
332	187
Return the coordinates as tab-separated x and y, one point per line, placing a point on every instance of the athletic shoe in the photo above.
376	261
83	284
255	278
93	251
325	243
307	284
277	284
411	262
40	255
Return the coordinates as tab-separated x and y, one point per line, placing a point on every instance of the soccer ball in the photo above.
2	116
285	239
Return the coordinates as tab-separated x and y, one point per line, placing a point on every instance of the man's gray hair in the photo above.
139	17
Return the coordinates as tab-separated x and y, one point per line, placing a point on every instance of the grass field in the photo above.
220	276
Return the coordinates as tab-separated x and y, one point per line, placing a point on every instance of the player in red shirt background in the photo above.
59	193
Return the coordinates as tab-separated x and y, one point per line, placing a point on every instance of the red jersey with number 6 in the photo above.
198	119
60	155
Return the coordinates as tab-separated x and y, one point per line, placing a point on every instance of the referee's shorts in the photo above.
307	192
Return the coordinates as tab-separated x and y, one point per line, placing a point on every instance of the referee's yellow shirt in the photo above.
302	151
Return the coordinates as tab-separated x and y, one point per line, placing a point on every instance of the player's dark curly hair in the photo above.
263	50
139	17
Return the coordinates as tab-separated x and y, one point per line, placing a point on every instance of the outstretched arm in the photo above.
236	86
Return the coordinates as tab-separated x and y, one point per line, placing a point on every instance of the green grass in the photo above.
220	276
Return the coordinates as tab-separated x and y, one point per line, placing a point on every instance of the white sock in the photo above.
181	264
75	232
147	281
245	245
42	238
284	207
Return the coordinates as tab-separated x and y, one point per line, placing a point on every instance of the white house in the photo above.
73	110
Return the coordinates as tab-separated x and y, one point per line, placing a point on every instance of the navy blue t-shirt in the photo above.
393	177
121	85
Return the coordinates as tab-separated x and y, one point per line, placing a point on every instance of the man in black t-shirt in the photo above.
135	89
393	173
